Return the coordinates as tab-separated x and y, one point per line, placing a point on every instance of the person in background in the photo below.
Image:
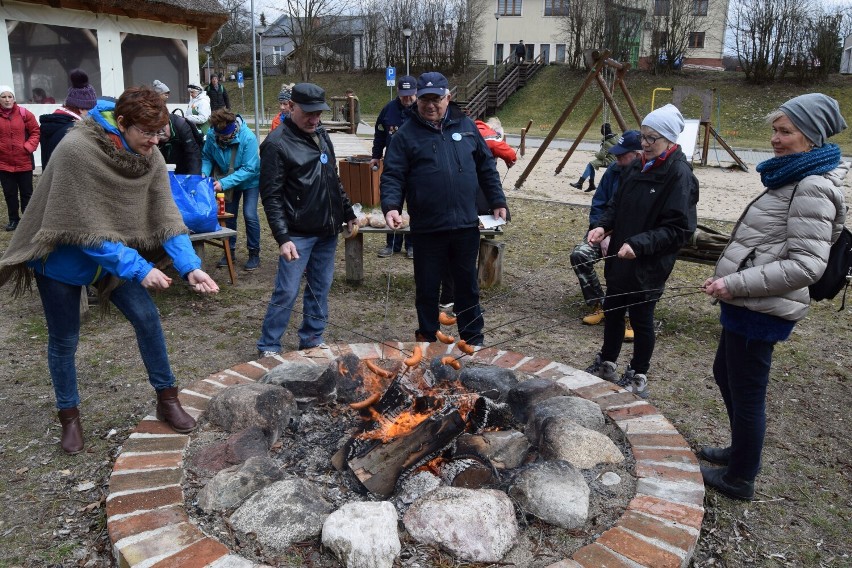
198	109
231	157
390	119
19	137
283	106
779	247
584	256
652	215
102	203
603	158
350	97
80	99
217	94
178	144
306	208
520	52
40	97
436	162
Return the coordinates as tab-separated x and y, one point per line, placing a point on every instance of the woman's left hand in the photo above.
626	251
716	288
202	282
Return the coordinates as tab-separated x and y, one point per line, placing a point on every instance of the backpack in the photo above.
838	271
199	136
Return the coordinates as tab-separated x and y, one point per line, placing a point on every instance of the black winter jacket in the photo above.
439	172
301	192
54	127
181	149
218	97
655	213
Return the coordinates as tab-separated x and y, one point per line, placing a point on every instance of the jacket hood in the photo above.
838	174
51	123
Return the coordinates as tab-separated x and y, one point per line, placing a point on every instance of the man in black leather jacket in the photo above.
179	147
306	208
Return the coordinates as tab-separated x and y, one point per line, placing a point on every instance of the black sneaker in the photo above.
12	226
634	382
385	252
603	369
223	262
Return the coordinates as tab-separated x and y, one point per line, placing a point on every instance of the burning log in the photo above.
469	471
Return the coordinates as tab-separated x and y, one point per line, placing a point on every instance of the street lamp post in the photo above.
254	75
406	31
262	104
496	28
207	50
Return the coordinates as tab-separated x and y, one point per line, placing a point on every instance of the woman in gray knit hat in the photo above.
779	246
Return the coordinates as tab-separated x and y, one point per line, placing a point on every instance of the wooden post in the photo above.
579	138
354	253
490	265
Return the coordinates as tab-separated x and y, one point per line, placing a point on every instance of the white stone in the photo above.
610	478
553	491
363	535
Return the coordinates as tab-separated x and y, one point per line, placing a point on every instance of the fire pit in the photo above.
432	444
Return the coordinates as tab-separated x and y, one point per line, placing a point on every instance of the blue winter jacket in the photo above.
246	165
390	119
438	171
604	193
86	265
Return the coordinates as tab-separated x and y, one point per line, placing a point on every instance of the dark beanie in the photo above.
81	94
816	115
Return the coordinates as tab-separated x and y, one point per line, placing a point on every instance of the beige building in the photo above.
539	24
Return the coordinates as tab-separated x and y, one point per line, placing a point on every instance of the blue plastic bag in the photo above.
196	201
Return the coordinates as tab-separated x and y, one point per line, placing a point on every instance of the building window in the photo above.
662	7
700	7
556	7
509	7
660	39
696	40
560	53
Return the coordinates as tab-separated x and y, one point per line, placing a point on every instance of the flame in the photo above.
389	428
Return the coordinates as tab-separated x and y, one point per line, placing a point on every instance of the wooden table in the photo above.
489	263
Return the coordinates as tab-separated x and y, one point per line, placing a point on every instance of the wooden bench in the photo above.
217	239
489	263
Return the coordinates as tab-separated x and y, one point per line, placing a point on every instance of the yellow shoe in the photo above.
628	330
596	317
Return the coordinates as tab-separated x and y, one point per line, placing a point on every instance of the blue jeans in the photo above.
249	197
452	252
61	304
741	370
316	262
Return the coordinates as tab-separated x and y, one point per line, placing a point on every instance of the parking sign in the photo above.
240	82
390	76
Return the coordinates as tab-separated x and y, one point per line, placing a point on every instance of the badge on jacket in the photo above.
324	158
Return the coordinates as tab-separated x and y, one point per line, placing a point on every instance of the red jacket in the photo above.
19	137
496	143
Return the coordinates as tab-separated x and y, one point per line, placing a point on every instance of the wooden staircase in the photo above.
484	94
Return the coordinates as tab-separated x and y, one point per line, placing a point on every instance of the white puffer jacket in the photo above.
778	248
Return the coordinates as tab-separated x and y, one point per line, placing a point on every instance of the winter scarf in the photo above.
92	192
659	160
777	172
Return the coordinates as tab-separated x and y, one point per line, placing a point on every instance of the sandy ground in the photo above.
724	191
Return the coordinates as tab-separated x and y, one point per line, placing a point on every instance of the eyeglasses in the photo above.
145	134
649	139
431	100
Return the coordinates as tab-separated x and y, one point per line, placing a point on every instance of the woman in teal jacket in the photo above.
231	156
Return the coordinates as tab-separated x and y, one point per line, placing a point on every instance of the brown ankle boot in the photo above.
72	431
172	413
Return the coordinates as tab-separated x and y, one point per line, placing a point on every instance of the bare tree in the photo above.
763	32
583	25
676	26
313	26
815	50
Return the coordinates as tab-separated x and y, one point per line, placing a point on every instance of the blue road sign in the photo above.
390	76
240	82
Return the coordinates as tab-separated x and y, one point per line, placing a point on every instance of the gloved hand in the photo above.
606	130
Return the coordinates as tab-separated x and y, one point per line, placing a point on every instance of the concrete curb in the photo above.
149	527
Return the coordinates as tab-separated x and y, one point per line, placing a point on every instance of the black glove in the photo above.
606	130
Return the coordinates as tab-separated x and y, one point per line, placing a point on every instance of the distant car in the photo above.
664	60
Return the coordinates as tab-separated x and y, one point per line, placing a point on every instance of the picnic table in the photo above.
489	263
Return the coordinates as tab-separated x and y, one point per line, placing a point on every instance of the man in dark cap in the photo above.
306	208
436	162
390	119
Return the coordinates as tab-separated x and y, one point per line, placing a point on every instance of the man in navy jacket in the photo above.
436	163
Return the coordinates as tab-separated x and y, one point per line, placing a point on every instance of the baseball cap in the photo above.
629	142
432	83
309	97
406	86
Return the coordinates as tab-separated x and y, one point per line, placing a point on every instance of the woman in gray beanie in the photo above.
650	218
779	246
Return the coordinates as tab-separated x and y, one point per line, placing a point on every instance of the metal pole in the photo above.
496	28
407	72
262	103
254	72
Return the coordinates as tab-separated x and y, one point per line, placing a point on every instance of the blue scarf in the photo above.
777	172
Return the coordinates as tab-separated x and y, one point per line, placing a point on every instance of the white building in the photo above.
846	60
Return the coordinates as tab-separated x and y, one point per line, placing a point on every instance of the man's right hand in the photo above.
288	251
374	163
393	219
596	235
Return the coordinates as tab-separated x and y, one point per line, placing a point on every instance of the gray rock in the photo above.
443	373
471	524
345	373
493	382
415	486
230	487
506	449
524	396
610	478
245	444
267	407
363	535
280	514
307	382
553	491
584	412
564	439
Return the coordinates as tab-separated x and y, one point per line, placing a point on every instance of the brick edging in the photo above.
148	525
